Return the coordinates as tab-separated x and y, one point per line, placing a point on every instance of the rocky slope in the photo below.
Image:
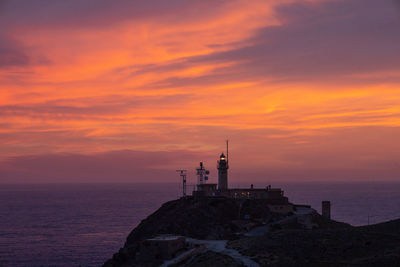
201	218
288	241
354	246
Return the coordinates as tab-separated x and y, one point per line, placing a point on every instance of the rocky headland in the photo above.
232	232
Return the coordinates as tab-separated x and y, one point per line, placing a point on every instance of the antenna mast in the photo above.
227	152
202	174
183	175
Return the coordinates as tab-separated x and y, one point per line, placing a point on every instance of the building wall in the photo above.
273	195
205	190
222	179
284	209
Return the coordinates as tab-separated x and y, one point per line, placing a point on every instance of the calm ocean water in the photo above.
83	225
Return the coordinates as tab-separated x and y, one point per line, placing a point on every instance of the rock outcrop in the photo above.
348	246
299	239
201	218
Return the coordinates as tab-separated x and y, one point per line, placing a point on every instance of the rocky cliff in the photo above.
276	240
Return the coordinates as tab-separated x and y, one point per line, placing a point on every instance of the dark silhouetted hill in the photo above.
327	243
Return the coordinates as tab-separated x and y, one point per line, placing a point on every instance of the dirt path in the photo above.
219	246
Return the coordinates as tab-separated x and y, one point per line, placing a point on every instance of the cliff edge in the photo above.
222	228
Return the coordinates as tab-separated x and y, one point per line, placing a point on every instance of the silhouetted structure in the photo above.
204	189
183	174
202	174
274	197
222	173
326	209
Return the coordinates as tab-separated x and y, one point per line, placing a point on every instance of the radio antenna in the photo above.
227	152
183	175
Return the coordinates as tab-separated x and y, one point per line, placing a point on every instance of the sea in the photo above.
84	224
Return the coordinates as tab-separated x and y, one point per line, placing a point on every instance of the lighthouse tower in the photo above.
223	170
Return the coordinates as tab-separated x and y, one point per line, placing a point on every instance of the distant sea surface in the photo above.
84	224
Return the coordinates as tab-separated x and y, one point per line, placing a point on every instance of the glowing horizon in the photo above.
304	89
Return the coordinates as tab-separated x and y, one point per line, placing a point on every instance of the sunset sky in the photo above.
130	91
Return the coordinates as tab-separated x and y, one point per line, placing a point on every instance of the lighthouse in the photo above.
223	170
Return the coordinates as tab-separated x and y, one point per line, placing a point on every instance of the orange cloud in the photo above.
261	73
